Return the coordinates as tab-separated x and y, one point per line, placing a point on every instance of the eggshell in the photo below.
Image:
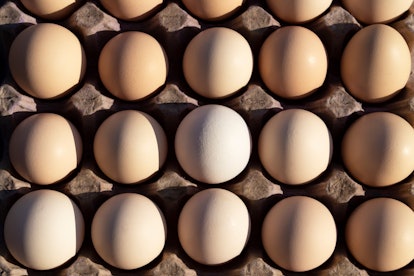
131	9
376	63
298	11
293	62
213	10
376	11
133	65
213	144
380	234
130	146
218	62
214	226
128	231
378	149
51	9
295	146
299	233
47	60
45	148
44	229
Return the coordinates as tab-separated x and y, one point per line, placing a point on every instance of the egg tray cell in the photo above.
91	103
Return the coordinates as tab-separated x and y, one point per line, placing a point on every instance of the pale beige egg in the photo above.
131	9
213	144
133	65
380	234
376	11
214	226
376	63
295	146
293	62
299	233
44	229
51	9
298	11
47	60
45	148
378	149
218	62
128	231
213	10
130	146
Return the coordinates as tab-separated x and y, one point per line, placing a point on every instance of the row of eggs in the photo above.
44	229
213	145
47	61
292	11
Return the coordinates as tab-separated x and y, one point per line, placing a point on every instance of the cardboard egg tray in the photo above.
91	103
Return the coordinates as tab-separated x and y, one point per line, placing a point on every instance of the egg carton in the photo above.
90	104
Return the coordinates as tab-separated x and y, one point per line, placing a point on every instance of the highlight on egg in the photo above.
298	11
51	9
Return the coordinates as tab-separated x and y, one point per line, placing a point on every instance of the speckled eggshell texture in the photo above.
51	9
376	63
218	62
213	10
131	9
45	148
295	146
47	60
213	144
128	231
298	11
133	65
378	149
293	62
44	229
130	146
299	233
380	234
214	226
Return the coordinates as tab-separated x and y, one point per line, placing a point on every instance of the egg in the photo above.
45	148
47	60
213	10
380	234
214	226
133	65
213	144
218	62
377	11
299	233
293	62
130	146
44	229
128	231
298	11
295	146
131	10
50	9
376	64
378	149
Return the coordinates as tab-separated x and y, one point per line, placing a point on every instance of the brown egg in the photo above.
47	60
130	146
44	229
298	11
51	9
293	62
376	63
214	226
131	9
377	11
299	233
378	149
380	234
45	148
213	9
133	65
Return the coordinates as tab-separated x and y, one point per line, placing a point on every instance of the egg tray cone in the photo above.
90	103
